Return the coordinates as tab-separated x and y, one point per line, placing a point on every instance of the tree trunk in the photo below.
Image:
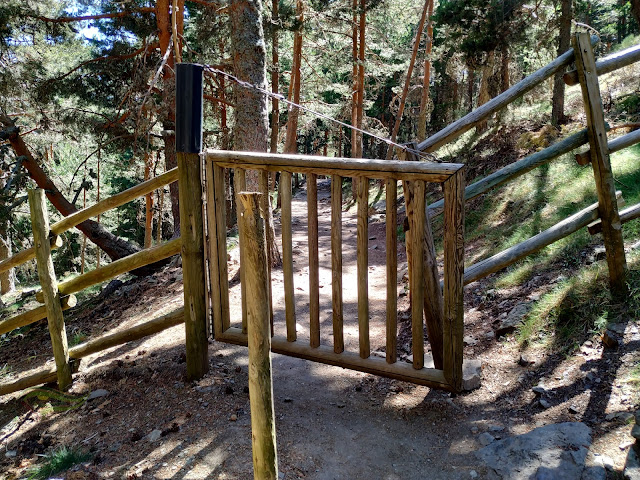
407	83
635	10
470	82
564	43
424	100
483	94
250	131
275	76
505	79
292	121
361	49
148	202
354	75
168	114
7	279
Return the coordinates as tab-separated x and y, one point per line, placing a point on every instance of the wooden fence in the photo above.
59	296
600	217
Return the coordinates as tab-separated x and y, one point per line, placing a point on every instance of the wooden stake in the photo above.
191	233
240	185
608	208
392	269
453	279
47	276
362	188
287	256
263	432
417	274
314	270
336	263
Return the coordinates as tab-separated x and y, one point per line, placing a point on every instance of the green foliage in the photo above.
58	461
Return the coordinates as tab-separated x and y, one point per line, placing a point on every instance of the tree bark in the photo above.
635	10
275	76
361	50
483	94
250	131
424	100
564	43
355	89
168	115
407	83
292	121
505	79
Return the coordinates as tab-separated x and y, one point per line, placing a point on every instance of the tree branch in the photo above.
93	17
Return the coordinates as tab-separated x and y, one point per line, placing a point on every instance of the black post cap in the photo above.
189	107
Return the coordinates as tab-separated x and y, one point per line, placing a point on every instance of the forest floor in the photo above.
332	423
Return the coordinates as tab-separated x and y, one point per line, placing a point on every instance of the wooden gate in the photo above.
450	175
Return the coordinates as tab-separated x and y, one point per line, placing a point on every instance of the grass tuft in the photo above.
58	461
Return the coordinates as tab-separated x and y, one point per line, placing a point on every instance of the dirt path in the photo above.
331	423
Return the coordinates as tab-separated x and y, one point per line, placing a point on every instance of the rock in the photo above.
485	439
632	466
626	444
609	340
233	417
618	328
557	452
496	428
513	320
635	432
538	390
154	436
469	340
11	453
101	392
474	430
473	474
544	403
490	335
471	374
573	409
526	361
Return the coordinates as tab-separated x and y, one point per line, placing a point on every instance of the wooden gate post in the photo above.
188	147
265	460
608	206
47	276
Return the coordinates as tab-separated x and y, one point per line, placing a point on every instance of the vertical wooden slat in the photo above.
287	256
336	262
417	274
362	188
49	284
607	204
212	247
314	272
221	231
392	269
265	199
240	185
453	278
193	269
263	431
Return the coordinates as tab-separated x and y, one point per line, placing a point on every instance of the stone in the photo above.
496	428
538	390
632	465
473	474
101	392
11	453
557	451
474	430
485	439
635	432
469	341
618	328
233	417
526	361
471	374
544	403
513	320
154	436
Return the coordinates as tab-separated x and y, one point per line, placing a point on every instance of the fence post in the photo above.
188	147
608	206
47	276
265	460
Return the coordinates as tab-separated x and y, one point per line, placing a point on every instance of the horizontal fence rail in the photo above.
445	374
608	64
